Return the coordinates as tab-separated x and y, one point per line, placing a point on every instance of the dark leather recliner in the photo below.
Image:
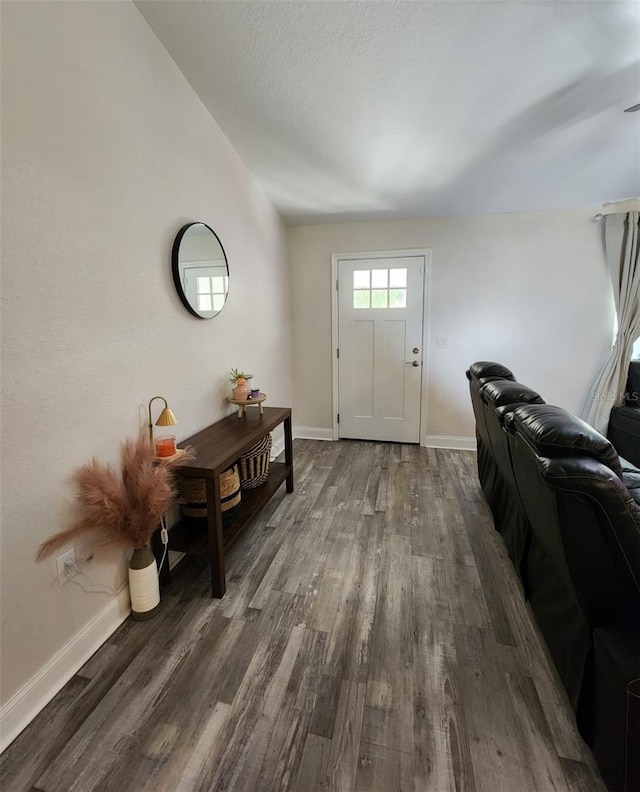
499	398
478	374
583	575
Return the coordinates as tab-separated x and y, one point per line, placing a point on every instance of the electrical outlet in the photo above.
66	564
442	342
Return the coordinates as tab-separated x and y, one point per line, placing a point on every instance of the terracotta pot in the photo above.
240	392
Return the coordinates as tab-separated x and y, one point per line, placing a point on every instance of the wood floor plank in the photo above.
192	768
284	753
343	759
581	778
442	754
493	565
377	473
381	770
398	511
429	533
350	638
534	736
468	603
235	759
313	773
326	707
373	636
391	649
430	592
519	736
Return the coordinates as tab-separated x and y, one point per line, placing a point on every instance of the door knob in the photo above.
413	363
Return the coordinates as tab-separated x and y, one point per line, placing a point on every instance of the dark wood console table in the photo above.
216	448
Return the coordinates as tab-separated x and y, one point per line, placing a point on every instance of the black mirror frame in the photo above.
175	267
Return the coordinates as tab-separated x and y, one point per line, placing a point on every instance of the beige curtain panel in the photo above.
621	251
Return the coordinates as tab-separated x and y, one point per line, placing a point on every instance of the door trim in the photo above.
426	321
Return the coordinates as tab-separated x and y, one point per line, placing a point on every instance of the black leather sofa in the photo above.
570	517
624	424
478	375
499	398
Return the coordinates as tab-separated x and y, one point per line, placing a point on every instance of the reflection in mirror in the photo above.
200	270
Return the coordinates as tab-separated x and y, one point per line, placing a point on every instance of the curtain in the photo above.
621	251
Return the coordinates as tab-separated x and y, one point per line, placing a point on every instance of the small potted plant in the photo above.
239	380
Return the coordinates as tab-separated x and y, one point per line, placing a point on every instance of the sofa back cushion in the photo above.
501	392
554	432
487	368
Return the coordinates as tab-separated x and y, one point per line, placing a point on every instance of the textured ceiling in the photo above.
378	109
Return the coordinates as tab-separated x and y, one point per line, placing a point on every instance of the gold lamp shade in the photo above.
166	417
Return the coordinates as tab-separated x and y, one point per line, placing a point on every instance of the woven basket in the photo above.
193	495
254	465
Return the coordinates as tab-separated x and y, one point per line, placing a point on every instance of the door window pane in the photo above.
397	298
379	298
398	278
217	284
379	278
362	298
361	279
203	284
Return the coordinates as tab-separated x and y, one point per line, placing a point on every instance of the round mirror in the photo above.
200	270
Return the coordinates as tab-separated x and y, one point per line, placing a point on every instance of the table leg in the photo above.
216	543
288	452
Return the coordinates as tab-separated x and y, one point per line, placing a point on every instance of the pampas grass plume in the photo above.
125	510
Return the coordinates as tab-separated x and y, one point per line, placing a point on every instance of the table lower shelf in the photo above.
190	534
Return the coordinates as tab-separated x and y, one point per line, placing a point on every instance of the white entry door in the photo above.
380	316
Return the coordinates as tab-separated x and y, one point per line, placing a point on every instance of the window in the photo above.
380	288
211	292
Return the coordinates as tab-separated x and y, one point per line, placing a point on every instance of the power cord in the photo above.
88	585
164	536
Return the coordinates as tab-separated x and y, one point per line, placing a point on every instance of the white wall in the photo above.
528	290
107	152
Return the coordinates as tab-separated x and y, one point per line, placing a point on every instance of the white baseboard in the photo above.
26	703
312	433
454	443
276	449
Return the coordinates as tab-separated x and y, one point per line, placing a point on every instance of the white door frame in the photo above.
381	254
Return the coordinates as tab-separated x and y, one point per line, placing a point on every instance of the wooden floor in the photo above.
373	637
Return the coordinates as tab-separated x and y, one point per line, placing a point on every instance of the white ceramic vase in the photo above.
143	584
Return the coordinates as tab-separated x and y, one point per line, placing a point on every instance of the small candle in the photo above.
255	393
165	446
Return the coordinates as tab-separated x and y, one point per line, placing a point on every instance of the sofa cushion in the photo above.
501	392
554	432
631	479
487	368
